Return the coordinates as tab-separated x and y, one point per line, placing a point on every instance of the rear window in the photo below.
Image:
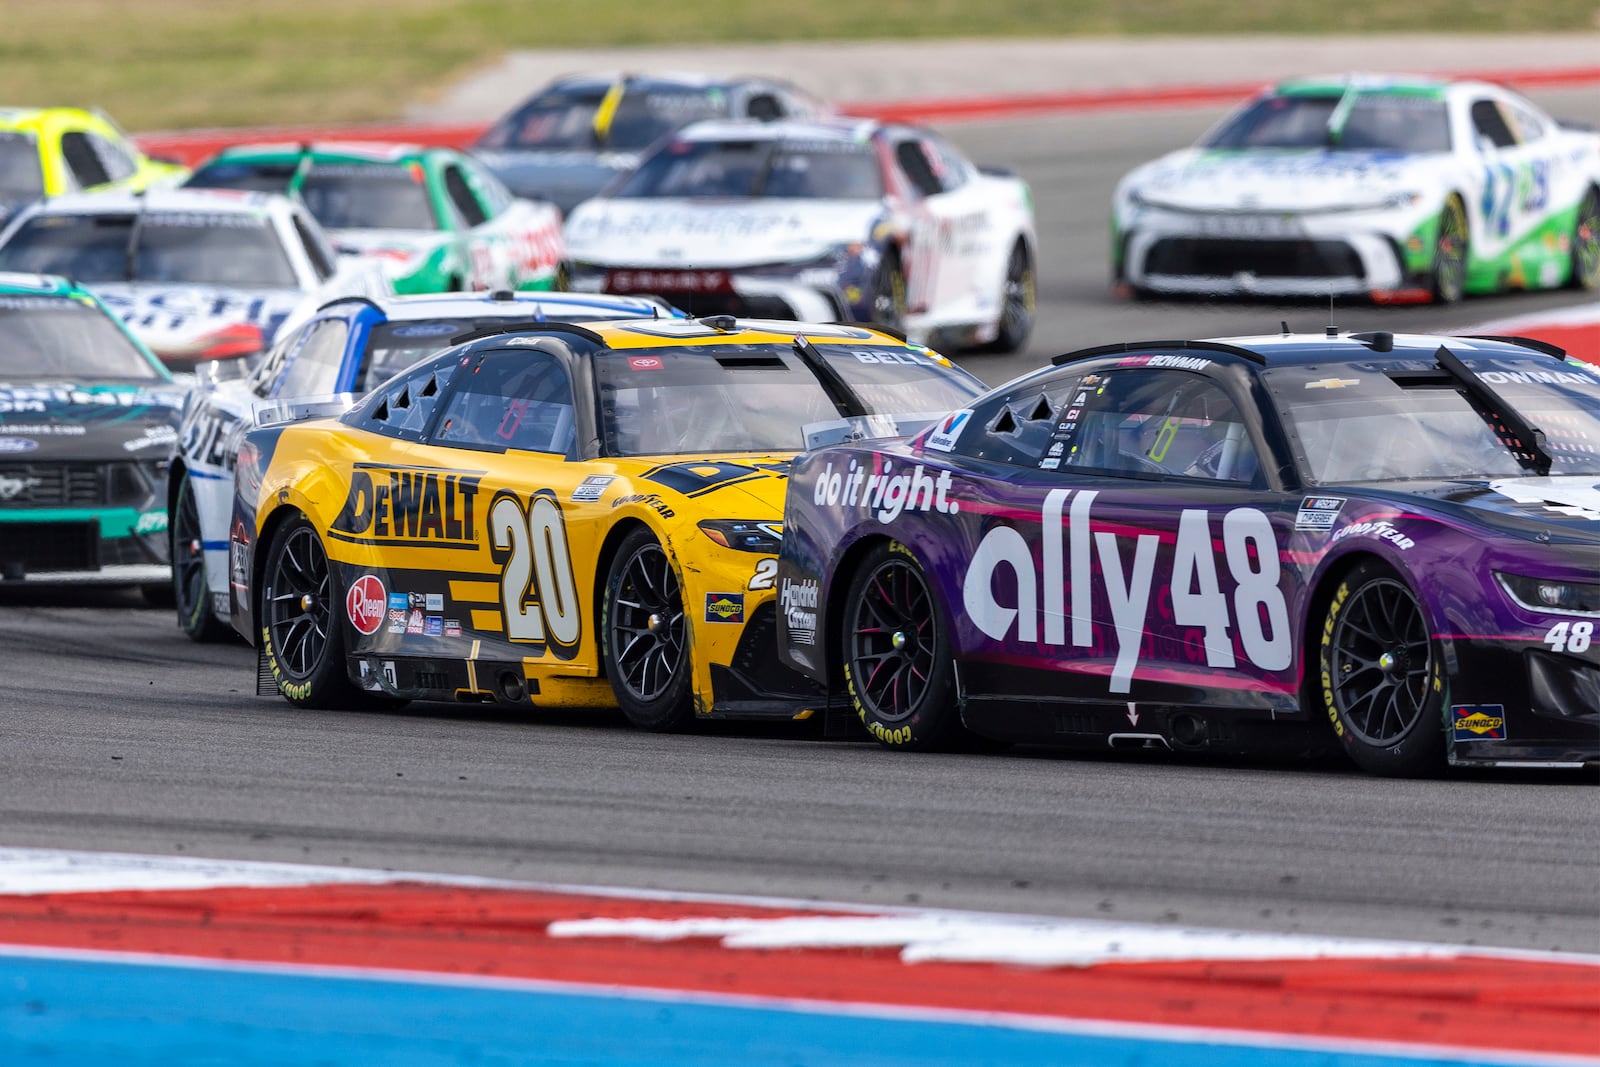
369	197
828	170
571	119
52	337
192	248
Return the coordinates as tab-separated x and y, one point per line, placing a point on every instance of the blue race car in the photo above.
347	347
1389	545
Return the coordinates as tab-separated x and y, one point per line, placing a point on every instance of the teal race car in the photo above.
88	423
436	218
1400	189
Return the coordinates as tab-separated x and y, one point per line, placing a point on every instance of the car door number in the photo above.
538	591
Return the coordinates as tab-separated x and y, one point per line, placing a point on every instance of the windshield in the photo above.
567	118
1349	122
193	248
1355	426
831	170
20	176
57	337
369	197
243	177
757	397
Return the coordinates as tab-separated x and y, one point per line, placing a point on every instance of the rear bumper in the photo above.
112	546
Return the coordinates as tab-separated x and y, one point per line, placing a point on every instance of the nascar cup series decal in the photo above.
1071	548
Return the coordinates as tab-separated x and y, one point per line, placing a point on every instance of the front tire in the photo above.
1382	683
301	639
1586	243
896	653
889	294
644	636
190	592
1450	246
1019	298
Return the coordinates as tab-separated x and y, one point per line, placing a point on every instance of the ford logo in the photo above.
13	445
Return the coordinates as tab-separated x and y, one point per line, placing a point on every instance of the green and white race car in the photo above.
1401	189
438	219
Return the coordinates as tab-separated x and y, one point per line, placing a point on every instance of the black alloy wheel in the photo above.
1586	243
191	592
1382	672
1450	254
299	610
896	653
645	635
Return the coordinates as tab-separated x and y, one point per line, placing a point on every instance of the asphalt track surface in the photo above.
116	733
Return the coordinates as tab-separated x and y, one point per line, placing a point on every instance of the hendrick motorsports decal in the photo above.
798	602
1478	722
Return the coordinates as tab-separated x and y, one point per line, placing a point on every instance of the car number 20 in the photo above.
538	591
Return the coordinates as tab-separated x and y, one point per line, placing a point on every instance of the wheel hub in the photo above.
306	601
654	623
898	641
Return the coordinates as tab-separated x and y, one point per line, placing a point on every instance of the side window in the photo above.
764	106
511	398
953	170
314	370
271	367
113	157
87	170
496	197
455	186
1489	123
1152	421
316	247
914	160
1529	126
402	408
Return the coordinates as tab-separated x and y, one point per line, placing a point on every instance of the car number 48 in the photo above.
1570	636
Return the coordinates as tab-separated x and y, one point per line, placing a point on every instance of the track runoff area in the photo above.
160	960
108	958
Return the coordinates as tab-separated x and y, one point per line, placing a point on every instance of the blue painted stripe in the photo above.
214	546
226	476
94	1011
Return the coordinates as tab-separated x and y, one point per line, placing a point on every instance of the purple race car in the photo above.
1392	543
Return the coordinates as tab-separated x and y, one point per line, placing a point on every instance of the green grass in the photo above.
175	63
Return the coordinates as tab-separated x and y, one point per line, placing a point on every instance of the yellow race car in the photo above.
46	151
559	514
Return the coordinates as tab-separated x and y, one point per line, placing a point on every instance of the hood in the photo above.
1568	502
45	421
724	233
565	178
1293	180
171	318
698	486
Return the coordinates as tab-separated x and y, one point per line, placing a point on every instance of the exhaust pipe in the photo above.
1188	730
510	687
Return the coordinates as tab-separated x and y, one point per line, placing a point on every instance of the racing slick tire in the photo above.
1449	274
1019	297
301	636
644	635
895	648
1381	675
189	592
1586	243
889	293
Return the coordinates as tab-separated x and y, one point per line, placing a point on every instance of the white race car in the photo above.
1400	189
197	275
826	220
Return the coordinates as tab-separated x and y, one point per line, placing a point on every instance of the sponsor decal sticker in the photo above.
948	430
416	506
646	363
414	622
1381	529
452	627
150	522
724	607
153	437
1333	383
14	445
433	601
432	626
365	603
399	602
1318	513
427	329
1478	722
592	488
798	602
397	616
885	493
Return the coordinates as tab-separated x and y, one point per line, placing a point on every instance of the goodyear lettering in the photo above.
406	505
1382	529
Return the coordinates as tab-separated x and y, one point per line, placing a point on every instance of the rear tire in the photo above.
889	294
644	636
896	654
1450	245
190	591
299	615
1019	298
1383	688
1586	244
